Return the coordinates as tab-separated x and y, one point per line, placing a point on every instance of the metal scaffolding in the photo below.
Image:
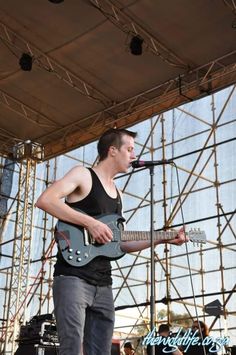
19	276
198	137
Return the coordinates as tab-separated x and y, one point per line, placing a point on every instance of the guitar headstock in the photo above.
197	236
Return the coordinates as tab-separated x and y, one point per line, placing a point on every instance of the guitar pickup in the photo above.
86	237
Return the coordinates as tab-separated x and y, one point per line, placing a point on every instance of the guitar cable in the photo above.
187	255
63	236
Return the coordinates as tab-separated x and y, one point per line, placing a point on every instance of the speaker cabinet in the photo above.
34	349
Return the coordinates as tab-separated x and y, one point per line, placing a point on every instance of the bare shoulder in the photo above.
75	179
77	183
77	173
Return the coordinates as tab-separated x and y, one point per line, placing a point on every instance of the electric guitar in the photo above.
78	247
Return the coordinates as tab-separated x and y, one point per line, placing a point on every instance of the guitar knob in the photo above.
78	259
77	252
70	257
86	255
70	250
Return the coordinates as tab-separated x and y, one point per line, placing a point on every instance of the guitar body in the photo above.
77	246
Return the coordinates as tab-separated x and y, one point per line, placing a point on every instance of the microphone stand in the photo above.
150	165
152	295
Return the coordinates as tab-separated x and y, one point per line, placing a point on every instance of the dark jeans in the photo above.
84	315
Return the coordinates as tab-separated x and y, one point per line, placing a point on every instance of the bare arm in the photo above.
51	201
133	246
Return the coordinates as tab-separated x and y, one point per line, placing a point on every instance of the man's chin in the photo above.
124	170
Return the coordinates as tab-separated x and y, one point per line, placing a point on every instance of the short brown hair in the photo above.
163	328
128	345
204	327
112	137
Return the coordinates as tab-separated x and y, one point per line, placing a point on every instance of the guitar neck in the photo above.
145	235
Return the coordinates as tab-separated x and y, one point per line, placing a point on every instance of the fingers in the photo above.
180	238
104	237
101	232
181	235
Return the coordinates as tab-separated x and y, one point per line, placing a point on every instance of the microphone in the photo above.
146	164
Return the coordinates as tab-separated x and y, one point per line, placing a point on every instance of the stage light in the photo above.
26	62
56	1
136	45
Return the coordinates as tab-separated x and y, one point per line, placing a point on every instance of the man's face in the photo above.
195	327
128	351
125	155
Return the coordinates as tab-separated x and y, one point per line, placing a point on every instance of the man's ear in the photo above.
112	150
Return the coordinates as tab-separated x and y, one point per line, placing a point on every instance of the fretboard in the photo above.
145	235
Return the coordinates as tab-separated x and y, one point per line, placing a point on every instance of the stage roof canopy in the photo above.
84	77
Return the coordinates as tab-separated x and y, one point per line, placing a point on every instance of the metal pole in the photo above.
152	278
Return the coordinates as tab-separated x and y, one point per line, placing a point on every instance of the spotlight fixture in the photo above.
26	62
56	1
136	45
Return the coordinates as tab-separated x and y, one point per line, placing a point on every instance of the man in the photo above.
161	349
82	296
200	330
128	348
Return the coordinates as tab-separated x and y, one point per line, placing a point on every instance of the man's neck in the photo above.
105	170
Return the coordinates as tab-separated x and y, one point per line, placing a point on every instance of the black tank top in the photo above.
97	202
